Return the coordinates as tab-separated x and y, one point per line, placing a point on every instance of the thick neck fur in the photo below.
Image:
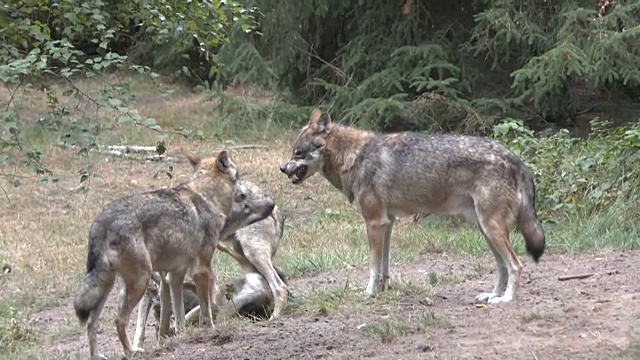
341	151
216	189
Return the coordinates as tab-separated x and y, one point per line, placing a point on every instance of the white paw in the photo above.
371	292
486	297
500	299
134	351
100	357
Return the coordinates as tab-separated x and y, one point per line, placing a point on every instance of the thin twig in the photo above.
12	95
74	87
5	193
575	277
586	275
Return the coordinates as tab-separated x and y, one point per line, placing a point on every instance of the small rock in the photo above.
426	348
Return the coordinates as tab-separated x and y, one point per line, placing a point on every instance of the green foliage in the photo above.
589	55
374	62
14	329
246	112
49	48
244	64
152	32
580	176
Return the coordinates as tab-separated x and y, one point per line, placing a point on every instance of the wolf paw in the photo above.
486	297
134	351
500	299
370	293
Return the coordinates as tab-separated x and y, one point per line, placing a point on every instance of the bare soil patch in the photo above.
591	318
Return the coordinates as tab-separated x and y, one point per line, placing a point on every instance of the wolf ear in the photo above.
319	121
323	123
193	159
223	162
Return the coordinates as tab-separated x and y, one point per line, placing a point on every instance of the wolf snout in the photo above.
283	168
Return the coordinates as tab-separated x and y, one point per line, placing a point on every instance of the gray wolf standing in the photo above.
251	235
171	230
400	174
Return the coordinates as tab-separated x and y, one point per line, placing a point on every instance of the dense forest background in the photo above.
455	65
446	65
537	74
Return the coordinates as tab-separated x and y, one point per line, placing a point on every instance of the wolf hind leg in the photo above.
501	277
92	325
135	287
494	225
135	269
278	288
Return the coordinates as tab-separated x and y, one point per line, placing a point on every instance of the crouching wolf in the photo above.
251	235
248	296
391	175
171	230
254	248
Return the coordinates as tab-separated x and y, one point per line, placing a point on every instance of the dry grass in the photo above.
43	228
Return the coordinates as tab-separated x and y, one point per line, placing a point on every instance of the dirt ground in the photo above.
593	318
429	317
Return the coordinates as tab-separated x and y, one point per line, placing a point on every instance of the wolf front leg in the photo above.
165	307
386	252
177	299
205	282
374	212
376	232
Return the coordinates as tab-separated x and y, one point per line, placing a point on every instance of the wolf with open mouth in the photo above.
304	163
387	176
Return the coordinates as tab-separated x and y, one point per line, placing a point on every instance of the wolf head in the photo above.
222	164
250	204
308	150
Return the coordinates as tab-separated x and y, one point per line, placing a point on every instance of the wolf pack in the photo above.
161	243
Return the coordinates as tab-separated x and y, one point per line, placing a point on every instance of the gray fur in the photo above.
387	176
171	230
253	244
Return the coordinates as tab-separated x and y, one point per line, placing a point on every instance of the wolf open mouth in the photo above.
299	175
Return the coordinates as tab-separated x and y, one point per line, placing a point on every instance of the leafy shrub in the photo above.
251	111
14	330
580	176
44	43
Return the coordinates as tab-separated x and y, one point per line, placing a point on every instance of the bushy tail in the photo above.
97	282
528	221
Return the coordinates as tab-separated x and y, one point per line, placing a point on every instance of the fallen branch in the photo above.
243	147
126	155
131	148
584	276
135	152
575	277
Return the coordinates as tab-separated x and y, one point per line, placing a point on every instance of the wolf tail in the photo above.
528	221
97	282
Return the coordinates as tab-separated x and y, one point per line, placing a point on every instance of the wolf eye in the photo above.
297	153
243	196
